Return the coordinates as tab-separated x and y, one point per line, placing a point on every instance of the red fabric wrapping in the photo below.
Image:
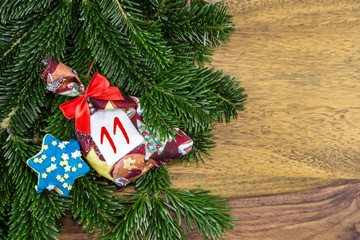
117	171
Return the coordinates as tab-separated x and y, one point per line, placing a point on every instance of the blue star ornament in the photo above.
58	164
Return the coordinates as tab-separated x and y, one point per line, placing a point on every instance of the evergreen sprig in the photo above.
144	35
57	125
10	10
32	216
207	212
201	23
5	193
24	88
201	147
93	205
155	49
156	211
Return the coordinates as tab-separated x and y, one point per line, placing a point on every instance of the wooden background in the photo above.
290	164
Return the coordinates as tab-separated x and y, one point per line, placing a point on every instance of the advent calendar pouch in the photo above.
110	127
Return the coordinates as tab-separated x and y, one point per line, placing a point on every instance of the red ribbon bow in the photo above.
78	108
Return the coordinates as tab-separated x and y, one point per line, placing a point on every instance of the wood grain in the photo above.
299	138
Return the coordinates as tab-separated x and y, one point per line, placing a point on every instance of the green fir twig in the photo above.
154	49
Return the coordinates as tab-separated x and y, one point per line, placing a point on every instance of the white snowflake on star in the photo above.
67	168
65	156
61	145
53	166
76	154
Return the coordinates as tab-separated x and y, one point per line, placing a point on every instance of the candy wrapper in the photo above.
110	128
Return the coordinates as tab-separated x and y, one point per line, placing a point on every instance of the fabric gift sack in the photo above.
120	147
110	127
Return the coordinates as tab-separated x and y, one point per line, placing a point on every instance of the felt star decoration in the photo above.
53	165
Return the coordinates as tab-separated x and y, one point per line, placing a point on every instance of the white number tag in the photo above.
114	134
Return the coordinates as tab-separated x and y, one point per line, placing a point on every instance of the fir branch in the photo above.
32	215
141	217
12	34
195	53
146	219
186	110
22	77
147	40
90	68
6	190
184	92
200	54
59	126
231	97
148	215
201	23
4	207
99	208
158	6
202	145
154	182
147	50
121	62
162	224
159	118
207	212
38	219
15	9
81	58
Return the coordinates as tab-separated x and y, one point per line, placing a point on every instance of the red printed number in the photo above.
104	132
117	123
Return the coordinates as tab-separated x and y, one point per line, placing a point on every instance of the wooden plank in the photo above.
299	62
326	213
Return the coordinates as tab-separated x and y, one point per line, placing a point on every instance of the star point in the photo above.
49	169
73	169
46	147
53	159
66	176
79	165
54	143
44	175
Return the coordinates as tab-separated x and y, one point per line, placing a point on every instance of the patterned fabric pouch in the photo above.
110	128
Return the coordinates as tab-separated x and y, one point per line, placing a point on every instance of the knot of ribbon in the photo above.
78	108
